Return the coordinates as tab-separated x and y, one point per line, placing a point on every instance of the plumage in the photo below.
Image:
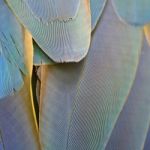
40	58
50	10
134	12
132	125
11	52
62	41
18	129
80	103
97	7
147	142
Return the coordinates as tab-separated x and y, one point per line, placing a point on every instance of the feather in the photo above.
97	7
147	142
131	128
11	53
134	12
18	128
40	58
50	10
62	41
80	103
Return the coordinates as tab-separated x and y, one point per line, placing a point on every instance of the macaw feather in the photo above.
97	7
18	128
40	58
62	41
50	10
147	142
132	125
11	53
134	12
80	103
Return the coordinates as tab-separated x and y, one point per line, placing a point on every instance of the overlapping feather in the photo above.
97	7
62	41
12	64
132	125
18	128
80	103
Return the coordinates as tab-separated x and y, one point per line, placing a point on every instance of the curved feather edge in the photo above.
40	58
11	53
62	41
132	125
97	7
80	103
135	12
49	10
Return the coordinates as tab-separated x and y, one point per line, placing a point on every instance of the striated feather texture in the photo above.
18	129
12	63
51	10
62	41
134	12
132	125
96	6
80	103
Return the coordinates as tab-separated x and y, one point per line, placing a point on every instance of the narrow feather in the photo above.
50	10
81	102
131	128
62	41
97	7
11	52
134	12
17	123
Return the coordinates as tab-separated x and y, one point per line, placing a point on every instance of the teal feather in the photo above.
134	12
11	52
97	7
62	41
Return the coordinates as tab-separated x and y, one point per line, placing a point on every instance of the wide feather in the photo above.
96	6
134	12
50	10
18	129
80	103
131	128
11	52
62	41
